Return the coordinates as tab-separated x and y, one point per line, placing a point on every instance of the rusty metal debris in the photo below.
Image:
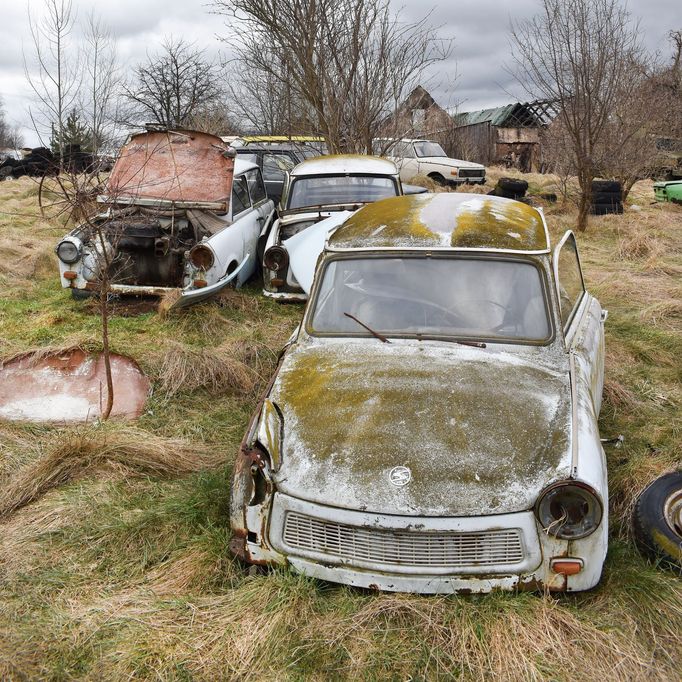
69	387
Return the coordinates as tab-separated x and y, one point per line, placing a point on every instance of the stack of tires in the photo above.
607	197
511	188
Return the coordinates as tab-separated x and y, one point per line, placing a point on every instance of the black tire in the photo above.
606	209
514	186
657	520
498	192
606	186
81	294
607	198
438	179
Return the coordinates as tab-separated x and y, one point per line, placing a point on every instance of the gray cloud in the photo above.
480	29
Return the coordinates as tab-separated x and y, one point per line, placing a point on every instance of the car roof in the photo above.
276	148
403	139
444	221
342	164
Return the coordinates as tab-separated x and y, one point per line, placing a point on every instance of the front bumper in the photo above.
421	555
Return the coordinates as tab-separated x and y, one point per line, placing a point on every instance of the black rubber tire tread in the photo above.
654	537
517	187
81	294
504	193
438	179
607	198
606	186
605	209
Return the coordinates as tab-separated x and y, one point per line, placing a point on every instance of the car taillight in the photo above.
201	257
569	510
276	258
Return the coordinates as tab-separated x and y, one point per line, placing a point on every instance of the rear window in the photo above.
340	189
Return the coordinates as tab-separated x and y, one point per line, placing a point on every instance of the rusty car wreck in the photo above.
432	425
179	215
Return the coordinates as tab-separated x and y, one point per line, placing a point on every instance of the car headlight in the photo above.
276	258
68	252
201	257
569	510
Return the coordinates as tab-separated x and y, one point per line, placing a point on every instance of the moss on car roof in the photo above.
455	220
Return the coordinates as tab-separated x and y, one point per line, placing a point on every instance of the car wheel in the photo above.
513	186
438	179
81	294
658	520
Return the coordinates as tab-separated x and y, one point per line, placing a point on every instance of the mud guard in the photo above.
191	296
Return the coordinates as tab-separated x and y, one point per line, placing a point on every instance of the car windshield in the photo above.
339	189
454	297
428	149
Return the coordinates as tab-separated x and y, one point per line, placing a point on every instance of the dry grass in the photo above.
113	543
216	370
73	453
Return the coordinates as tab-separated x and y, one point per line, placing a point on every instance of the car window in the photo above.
251	158
256	187
240	195
428	149
404	150
339	189
275	166
571	285
477	298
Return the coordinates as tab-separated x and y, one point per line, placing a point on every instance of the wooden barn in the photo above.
507	135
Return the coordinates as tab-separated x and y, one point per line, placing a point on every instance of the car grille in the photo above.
471	173
442	548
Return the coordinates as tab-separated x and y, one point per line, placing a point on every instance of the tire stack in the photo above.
510	188
607	197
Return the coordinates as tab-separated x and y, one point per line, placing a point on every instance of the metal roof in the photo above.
444	221
345	164
515	115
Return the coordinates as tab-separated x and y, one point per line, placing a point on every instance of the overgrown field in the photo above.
113	538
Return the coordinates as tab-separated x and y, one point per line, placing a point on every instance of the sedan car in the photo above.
316	189
180	215
428	158
432	424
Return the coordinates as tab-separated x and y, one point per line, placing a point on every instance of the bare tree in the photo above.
578	52
172	86
103	81
339	66
54	81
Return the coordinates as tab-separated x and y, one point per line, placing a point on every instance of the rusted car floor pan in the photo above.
70	387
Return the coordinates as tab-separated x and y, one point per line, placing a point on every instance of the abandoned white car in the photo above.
180	215
314	190
428	158
432	425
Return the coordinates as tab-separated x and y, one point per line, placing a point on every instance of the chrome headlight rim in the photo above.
558	530
276	258
71	243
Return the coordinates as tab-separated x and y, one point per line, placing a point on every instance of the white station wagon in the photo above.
432	425
425	157
180	215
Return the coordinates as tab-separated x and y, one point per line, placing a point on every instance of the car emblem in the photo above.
400	476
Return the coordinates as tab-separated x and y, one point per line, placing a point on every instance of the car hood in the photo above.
482	431
445	161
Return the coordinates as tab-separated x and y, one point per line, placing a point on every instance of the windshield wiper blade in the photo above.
381	337
461	342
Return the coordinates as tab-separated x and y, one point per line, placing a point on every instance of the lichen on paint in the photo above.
482	432
463	221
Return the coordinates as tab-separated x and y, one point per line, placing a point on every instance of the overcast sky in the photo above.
480	30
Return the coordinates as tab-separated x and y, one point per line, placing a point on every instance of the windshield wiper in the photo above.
461	342
381	337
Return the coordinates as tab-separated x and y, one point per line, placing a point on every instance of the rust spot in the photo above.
69	387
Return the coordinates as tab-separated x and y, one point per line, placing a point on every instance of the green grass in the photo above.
116	572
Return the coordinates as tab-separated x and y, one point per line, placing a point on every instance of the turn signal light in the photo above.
566	566
200	283
70	274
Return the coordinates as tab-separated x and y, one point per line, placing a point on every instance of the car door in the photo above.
275	167
263	207
582	319
407	161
